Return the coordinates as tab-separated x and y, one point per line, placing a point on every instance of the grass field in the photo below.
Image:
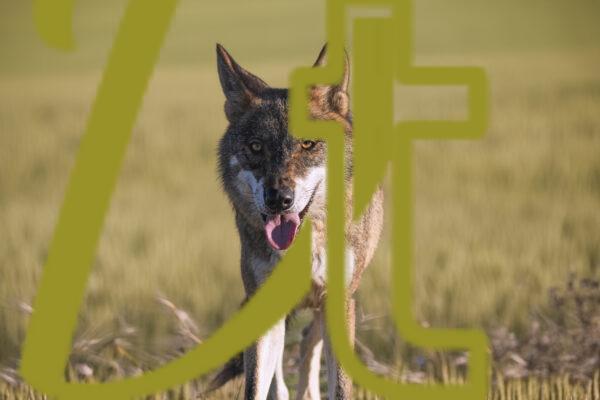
498	221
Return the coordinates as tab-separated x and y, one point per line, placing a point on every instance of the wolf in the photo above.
274	182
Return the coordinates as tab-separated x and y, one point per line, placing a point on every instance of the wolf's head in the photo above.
273	178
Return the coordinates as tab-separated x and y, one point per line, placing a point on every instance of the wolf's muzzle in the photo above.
279	199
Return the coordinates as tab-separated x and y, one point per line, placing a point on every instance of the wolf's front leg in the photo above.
339	384
261	362
278	389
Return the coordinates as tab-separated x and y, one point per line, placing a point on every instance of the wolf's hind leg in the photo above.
339	384
261	360
310	360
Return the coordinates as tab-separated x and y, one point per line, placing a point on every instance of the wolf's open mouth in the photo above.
281	229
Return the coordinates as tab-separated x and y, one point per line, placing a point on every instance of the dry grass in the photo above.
557	360
557	388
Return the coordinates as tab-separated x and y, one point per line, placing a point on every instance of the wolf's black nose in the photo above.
278	200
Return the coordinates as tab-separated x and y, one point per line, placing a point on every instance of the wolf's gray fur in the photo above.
275	180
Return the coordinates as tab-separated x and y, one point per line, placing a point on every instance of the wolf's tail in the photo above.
230	371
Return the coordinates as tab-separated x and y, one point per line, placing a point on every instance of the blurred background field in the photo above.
499	221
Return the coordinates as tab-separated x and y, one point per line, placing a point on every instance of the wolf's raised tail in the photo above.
230	371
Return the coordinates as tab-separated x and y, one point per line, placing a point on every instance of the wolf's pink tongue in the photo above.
281	230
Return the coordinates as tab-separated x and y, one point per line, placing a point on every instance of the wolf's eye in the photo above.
308	144
256	146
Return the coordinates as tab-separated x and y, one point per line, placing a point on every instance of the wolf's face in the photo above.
276	176
273	178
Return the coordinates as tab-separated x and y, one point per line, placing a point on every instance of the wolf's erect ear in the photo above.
332	98
241	88
322	57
